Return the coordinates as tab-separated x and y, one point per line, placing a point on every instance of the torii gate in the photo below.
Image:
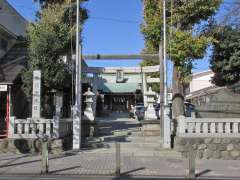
165	122
165	125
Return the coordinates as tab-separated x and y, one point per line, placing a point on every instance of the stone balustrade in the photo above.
32	128
209	138
208	127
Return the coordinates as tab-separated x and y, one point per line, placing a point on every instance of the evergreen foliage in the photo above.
185	43
225	62
49	38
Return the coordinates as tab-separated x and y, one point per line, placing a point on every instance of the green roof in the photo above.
119	87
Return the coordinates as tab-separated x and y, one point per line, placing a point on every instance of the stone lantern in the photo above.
88	112
150	113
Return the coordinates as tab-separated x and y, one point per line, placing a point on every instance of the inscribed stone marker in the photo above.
36	101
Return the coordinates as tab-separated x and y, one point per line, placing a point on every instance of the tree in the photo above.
49	38
186	43
225	62
45	3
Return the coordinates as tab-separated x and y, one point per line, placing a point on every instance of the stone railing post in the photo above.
11	126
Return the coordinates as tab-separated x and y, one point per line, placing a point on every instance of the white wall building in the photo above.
201	80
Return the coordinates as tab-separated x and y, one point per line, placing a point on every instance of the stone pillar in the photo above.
36	99
56	118
88	112
144	85
11	127
150	113
166	128
10	101
95	88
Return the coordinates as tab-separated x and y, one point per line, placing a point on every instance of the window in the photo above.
4	44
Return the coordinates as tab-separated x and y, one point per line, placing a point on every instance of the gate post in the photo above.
192	164
118	160
45	162
11	127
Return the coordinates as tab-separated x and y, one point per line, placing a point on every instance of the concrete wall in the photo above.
22	146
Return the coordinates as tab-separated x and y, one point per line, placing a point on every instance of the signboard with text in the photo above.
3	88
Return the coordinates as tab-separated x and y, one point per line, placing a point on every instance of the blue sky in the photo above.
113	27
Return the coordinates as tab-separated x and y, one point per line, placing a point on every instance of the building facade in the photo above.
12	26
119	87
12	62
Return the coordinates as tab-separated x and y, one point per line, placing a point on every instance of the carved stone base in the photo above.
151	128
88	128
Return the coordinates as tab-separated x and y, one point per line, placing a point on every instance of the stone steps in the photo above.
133	141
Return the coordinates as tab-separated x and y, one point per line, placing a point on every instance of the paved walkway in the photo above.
94	164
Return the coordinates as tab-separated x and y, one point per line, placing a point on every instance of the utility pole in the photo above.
165	54
78	91
165	119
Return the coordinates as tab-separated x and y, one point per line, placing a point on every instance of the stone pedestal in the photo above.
151	128
150	125
88	128
150	113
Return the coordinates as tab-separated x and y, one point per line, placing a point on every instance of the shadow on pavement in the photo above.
65	169
8	164
203	172
135	170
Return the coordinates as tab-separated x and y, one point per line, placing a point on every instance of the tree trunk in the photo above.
178	95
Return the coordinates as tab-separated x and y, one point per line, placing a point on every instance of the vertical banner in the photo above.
36	99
